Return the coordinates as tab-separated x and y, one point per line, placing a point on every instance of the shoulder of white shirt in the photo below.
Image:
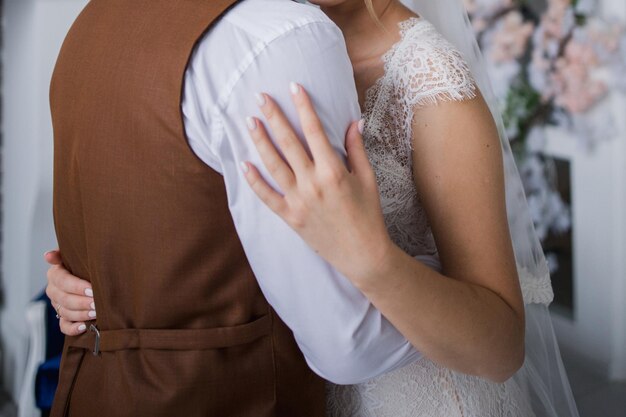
269	19
258	23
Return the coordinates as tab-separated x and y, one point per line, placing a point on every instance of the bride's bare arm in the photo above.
470	317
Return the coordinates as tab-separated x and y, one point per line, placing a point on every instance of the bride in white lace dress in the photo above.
407	75
421	69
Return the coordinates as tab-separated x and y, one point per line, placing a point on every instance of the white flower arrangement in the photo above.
550	65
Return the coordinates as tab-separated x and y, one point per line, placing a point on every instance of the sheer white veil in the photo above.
542	376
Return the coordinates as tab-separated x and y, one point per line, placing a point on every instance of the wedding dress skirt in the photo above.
427	389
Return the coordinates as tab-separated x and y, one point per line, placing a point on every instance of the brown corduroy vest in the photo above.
184	329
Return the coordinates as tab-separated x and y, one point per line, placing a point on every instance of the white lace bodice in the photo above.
421	69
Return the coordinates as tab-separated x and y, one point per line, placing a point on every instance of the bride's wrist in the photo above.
378	263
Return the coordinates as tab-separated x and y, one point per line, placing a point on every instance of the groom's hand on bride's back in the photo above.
70	296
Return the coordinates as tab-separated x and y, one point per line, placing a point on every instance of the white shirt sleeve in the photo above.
343	337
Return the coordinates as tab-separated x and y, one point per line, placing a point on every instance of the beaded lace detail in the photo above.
421	69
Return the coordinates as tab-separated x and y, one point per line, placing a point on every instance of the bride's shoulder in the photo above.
427	67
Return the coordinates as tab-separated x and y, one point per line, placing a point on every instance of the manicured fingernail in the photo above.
361	126
82	328
294	88
260	99
89	292
92	314
251	123
244	167
93	306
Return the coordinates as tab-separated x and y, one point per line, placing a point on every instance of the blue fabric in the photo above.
46	382
54	337
47	377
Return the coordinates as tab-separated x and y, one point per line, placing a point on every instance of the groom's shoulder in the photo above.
268	19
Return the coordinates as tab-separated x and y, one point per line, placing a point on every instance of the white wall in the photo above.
598	330
617	363
33	33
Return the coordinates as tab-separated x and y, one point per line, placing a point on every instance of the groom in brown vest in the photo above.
182	329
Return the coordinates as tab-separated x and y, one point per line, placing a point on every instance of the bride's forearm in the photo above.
457	324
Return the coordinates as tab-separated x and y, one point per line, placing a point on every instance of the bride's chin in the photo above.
328	3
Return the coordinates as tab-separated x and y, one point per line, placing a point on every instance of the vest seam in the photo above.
274	364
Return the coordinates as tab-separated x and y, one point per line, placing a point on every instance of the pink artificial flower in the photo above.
555	19
574	87
510	38
607	36
486	8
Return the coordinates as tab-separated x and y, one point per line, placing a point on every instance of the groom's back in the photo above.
184	327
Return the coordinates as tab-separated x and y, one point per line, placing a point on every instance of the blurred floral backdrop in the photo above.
551	62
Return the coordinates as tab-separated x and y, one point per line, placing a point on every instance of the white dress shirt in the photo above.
260	46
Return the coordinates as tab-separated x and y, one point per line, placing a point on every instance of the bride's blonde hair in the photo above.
370	8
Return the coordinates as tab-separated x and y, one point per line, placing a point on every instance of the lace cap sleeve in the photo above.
429	69
421	69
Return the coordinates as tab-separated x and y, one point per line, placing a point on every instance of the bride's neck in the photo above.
365	37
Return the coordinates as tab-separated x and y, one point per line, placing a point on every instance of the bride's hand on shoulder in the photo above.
335	208
70	296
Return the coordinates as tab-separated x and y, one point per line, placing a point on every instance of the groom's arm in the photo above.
343	337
